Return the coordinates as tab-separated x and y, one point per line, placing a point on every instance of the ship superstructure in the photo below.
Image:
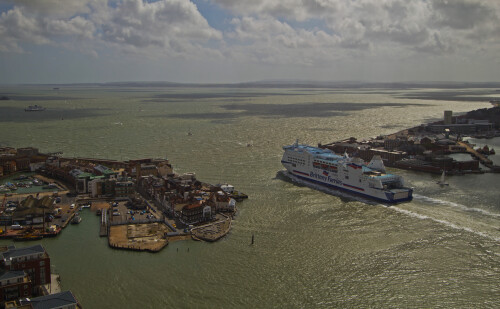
324	167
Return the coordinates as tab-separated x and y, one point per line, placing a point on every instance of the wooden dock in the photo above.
103	232
482	158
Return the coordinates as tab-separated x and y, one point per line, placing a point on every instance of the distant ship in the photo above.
322	166
34	108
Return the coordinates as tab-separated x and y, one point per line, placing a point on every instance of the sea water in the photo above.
312	249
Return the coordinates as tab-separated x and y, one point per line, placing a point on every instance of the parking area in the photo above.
125	212
17	218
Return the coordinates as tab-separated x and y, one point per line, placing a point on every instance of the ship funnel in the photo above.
377	164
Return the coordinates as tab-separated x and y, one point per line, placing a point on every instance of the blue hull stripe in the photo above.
346	185
409	198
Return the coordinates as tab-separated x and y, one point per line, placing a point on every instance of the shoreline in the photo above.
425	148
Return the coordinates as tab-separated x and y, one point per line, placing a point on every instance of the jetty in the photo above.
150	237
482	158
213	231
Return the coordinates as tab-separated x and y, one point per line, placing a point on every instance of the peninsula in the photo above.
426	147
143	204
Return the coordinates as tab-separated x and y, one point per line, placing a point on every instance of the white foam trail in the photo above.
452	204
404	211
447	223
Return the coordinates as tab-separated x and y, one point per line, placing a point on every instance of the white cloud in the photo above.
173	25
381	25
286	33
169	26
17	27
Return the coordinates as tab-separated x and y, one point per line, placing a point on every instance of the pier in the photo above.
483	159
214	231
140	237
103	231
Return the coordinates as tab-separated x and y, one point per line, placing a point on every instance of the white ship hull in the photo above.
322	167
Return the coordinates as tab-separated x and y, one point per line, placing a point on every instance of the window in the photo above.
42	263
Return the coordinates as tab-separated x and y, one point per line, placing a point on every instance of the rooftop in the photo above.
17	252
12	274
52	301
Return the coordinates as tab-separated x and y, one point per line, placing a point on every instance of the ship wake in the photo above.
431	200
455	217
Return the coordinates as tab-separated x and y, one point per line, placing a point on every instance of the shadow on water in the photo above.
167	97
473	95
18	115
303	110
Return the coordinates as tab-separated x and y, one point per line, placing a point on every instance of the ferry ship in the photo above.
34	108
322	166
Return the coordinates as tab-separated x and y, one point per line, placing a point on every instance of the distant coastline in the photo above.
280	84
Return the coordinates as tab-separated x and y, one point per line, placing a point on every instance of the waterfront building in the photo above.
32	210
222	201
33	260
124	188
448	117
27	152
466	128
62	300
98	186
196	213
102	170
13	285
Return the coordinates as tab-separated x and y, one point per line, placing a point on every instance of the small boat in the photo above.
34	108
442	181
76	219
21	177
98	212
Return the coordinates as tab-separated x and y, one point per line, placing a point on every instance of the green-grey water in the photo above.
312	250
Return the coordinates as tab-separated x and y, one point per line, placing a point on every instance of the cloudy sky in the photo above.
61	41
